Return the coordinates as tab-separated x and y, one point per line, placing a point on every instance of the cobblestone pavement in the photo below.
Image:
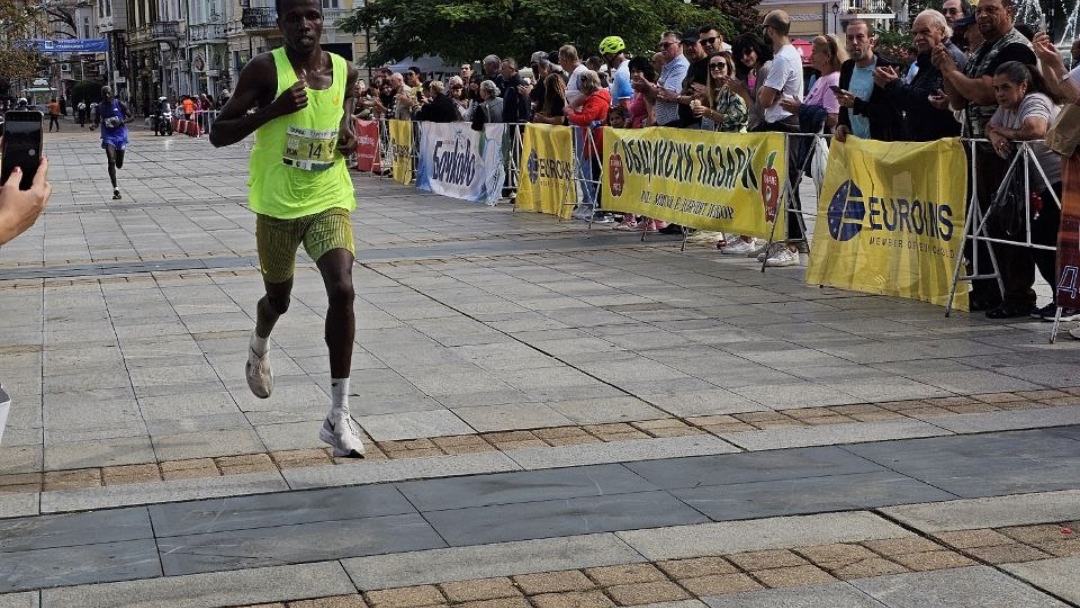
556	417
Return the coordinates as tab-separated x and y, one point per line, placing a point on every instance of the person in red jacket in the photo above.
590	115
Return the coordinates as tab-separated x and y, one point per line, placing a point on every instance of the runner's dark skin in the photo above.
301	24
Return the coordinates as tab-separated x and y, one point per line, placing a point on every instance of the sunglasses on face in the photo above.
666	45
717	66
708	41
456	87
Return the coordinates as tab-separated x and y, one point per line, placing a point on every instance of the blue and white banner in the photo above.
72	45
459	162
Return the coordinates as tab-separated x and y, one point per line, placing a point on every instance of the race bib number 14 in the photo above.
309	150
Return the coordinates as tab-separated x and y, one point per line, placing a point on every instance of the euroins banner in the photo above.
1068	247
401	149
462	163
547	163
723	182
891	219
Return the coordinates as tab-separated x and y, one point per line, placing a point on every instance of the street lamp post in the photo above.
836	17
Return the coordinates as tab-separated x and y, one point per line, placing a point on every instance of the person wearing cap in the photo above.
669	86
695	83
613	48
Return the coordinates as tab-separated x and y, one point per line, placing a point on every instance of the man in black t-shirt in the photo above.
696	74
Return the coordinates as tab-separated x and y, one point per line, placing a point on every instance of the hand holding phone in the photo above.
837	90
22	145
19	209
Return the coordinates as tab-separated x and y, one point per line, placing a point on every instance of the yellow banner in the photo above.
401	144
891	219
547	170
724	182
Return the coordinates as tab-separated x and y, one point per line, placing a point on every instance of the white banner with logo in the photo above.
457	161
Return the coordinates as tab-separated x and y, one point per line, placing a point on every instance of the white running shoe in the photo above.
340	435
766	251
259	377
784	257
738	247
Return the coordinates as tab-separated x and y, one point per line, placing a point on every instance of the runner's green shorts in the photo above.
278	240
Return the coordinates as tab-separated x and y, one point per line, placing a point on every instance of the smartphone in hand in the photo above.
837	90
22	145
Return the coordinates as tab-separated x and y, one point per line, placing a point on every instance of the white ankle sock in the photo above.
259	345
339	396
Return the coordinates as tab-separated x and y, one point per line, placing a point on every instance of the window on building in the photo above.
330	4
86	27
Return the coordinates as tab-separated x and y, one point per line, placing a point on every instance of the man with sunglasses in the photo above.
712	40
670	82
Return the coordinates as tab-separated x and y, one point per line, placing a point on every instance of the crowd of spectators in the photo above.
955	79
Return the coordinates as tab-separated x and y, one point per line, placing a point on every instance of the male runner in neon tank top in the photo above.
301	192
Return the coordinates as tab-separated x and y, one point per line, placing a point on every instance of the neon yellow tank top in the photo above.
295	167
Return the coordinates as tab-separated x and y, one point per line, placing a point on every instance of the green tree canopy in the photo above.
16	61
467	30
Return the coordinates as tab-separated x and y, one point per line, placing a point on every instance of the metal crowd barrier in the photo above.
587	182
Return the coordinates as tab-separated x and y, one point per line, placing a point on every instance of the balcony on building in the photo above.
259	19
165	31
206	33
332	15
138	35
867	9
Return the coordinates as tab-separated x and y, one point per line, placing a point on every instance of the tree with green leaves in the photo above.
467	30
17	62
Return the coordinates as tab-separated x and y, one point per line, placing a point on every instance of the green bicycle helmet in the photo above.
612	45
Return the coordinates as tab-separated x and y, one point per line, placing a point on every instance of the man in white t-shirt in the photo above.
571	64
785	78
784	81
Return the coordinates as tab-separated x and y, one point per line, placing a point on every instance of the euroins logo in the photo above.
850	212
533	166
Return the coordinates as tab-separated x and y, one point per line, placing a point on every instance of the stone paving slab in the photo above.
808	495
74	565
963	587
981	465
993	512
731	537
497	559
798	437
20	600
546	519
505	488
1057	576
623	451
833	595
399	470
208	590
999	421
158	492
296	543
52	531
